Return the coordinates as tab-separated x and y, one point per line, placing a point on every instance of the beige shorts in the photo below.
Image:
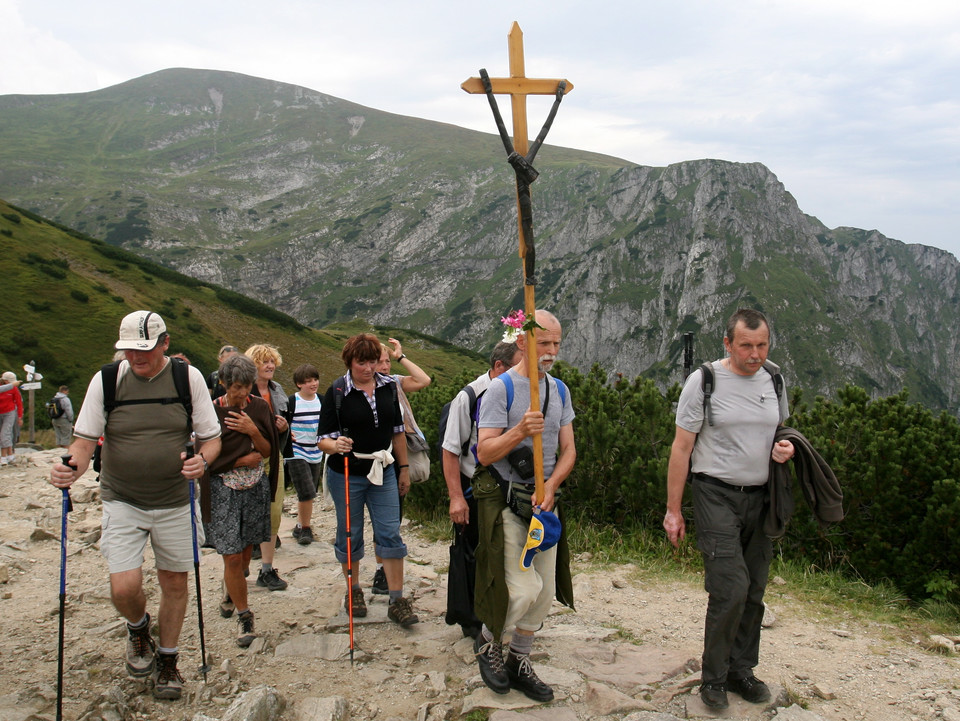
126	529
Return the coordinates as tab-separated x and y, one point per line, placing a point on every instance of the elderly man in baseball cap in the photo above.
144	480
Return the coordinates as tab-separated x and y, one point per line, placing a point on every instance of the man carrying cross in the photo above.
528	446
514	586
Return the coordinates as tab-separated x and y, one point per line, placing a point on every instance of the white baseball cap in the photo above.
140	330
9	377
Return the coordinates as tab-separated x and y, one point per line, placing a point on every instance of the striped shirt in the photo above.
303	427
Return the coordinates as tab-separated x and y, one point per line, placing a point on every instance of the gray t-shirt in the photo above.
494	414
736	448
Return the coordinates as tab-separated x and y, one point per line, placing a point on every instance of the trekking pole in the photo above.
67	506
204	666
346	486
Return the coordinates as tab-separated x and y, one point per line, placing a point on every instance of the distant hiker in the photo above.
507	595
144	485
458	447
11	417
267	359
213	380
361	429
303	462
726	450
416	381
240	487
63	424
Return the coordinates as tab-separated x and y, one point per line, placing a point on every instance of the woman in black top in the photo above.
360	422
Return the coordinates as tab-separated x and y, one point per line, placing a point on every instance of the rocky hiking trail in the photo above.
630	651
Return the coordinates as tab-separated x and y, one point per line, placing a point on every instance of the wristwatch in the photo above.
205	464
402	356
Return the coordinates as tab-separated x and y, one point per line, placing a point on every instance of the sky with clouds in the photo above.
854	105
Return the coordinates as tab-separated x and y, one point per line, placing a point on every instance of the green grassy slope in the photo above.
63	295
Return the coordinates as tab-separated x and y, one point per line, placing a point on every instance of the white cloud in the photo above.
853	105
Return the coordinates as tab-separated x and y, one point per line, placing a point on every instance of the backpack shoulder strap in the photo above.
508	382
181	381
108	377
562	390
471	399
707	384
774	370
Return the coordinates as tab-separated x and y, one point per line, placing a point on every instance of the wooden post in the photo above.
518	87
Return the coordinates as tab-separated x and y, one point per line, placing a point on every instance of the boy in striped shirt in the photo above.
304	461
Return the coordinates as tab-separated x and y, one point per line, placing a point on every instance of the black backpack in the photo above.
54	408
181	380
707	383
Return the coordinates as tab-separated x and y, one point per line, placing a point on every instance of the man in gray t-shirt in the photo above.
727	455
502	430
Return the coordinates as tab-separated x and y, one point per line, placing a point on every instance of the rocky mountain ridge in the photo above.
329	210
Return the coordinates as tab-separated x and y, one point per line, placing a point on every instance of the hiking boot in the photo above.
227	607
304	535
359	604
714	695
380	583
141	650
167	681
524	678
245	632
490	659
401	611
750	689
270	579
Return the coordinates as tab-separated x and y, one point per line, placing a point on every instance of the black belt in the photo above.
730	486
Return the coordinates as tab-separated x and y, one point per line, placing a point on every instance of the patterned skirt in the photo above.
239	518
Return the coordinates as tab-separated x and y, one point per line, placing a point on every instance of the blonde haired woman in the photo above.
267	359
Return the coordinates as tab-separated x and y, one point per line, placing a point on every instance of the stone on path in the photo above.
631	667
329	647
538	714
797	713
485	698
335	708
261	703
650	716
604	700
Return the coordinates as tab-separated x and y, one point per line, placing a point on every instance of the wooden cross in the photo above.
518	87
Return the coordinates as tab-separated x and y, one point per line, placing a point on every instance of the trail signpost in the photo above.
32	384
520	155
